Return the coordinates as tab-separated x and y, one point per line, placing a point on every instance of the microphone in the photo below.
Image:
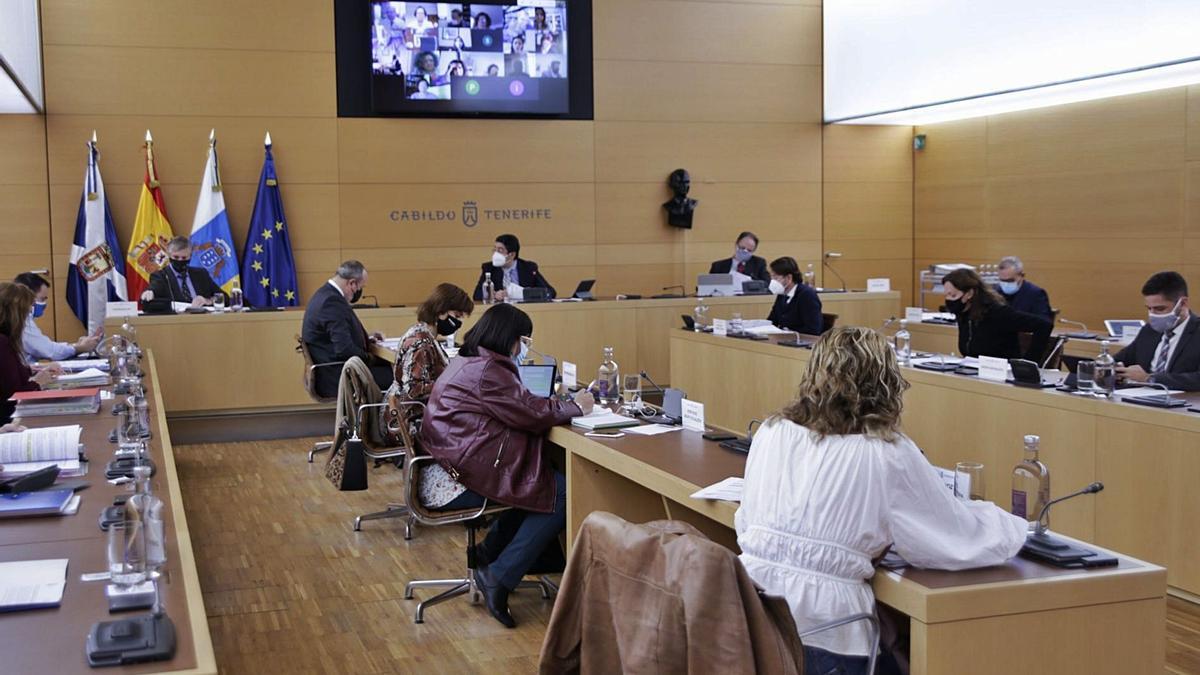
834	255
547	357
362	305
646	377
682	292
664	417
889	322
1062	341
1042	522
1084	335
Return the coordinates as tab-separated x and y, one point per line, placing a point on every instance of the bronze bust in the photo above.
680	208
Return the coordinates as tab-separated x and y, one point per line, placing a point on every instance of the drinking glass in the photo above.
124	559
969	482
631	389
1085	376
219	302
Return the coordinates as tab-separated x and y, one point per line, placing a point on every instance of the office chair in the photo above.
827	322
309	381
367	397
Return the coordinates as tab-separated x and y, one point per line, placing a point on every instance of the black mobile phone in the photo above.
718	436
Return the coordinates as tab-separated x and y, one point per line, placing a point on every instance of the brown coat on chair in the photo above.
662	598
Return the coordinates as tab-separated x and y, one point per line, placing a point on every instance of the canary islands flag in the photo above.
268	269
151	230
97	271
212	242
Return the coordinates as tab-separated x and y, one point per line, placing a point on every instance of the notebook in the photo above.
603	418
57	402
34	449
32	584
40	503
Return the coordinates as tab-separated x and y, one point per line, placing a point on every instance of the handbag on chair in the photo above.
347	465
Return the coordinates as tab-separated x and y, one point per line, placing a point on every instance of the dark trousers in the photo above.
520	540
384	375
821	662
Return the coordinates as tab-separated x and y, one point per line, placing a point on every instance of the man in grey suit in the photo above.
1167	349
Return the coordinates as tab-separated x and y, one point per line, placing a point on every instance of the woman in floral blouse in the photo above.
420	360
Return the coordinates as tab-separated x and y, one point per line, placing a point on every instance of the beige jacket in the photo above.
662	598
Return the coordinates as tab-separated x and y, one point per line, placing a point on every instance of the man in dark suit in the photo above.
743	261
797	307
334	334
1167	349
179	281
1020	294
510	274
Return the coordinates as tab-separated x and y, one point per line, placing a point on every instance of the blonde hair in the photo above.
16	301
852	385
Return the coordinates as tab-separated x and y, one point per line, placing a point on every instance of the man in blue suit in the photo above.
1020	294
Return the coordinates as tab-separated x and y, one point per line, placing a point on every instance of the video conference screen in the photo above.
449	57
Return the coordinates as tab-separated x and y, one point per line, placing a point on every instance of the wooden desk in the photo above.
1021	617
52	640
943	339
1147	458
241	362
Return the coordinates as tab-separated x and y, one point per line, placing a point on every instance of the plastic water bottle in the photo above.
236	301
810	276
700	316
148	510
489	291
1105	379
608	379
904	344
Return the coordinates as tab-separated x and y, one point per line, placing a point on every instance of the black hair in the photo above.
786	267
747	234
34	282
497	331
511	243
1170	285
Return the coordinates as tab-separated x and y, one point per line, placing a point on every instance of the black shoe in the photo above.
495	596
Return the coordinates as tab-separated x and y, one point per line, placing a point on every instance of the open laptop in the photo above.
538	378
584	290
716	284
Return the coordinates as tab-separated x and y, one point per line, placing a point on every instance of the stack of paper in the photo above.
57	402
76	365
603	418
729	490
32	584
35	449
90	377
1142	392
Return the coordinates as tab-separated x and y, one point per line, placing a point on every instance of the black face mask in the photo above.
180	266
356	297
956	306
448	325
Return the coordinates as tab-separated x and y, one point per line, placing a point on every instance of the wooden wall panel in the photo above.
24	200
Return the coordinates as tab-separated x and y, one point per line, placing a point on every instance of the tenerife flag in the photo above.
268	269
97	269
212	242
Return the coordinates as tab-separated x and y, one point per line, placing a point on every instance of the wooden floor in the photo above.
291	588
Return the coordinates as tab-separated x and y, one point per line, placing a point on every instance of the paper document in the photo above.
27	584
83	376
653	429
34	449
747	324
728	490
73	365
603	418
1142	392
768	330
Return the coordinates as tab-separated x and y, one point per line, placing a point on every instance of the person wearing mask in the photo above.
36	344
179	281
510	274
420	358
1166	350
16	306
333	332
831	483
1022	295
797	306
987	326
486	431
743	261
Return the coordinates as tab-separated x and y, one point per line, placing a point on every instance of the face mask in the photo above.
775	287
1009	287
1164	322
498	259
741	255
180	266
39	308
356	297
523	354
956	306
448	325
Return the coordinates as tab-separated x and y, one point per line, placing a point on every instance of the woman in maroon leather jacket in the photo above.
16	304
486	429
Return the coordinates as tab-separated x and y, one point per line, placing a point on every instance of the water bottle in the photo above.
608	379
1104	381
700	316
139	409
810	276
236	301
147	509
489	291
735	323
1030	484
904	344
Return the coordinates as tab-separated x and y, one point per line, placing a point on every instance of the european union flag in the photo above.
268	269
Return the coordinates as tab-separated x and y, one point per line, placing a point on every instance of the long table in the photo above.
1021	617
1147	458
943	339
52	640
246	361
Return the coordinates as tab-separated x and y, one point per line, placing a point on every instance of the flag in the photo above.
268	269
151	230
97	271
212	242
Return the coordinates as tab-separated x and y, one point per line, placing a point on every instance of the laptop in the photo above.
715	284
538	378
1116	327
584	290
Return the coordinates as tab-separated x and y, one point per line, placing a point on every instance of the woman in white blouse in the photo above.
831	483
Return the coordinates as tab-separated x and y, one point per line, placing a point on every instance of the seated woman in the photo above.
797	307
986	325
485	429
16	307
831	483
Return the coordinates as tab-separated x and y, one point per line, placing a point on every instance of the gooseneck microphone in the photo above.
1041	521
646	377
1084	335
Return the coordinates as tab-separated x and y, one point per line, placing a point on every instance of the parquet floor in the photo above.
291	588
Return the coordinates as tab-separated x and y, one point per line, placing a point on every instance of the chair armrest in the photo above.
412	473
322	365
358	417
872	627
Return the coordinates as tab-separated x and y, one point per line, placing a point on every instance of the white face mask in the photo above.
776	287
498	259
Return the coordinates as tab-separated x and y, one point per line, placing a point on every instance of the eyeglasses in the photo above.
526	340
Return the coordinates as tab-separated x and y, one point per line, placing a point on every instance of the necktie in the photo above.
183	288
1164	351
741	268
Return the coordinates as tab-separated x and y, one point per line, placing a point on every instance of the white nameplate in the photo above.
720	327
879	285
569	380
993	368
914	314
693	416
121	309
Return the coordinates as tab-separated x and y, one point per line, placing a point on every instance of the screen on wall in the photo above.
443	57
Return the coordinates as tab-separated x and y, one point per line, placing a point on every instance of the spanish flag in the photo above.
151	231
